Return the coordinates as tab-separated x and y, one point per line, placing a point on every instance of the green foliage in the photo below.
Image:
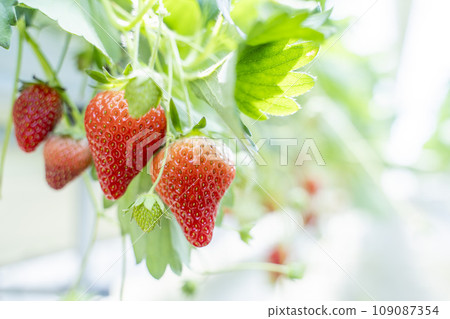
175	118
264	81
201	124
185	16
98	76
283	26
217	60
7	19
162	246
142	94
218	93
85	18
244	233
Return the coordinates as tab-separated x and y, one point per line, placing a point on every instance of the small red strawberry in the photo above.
197	173
277	256
121	145
312	186
65	159
35	113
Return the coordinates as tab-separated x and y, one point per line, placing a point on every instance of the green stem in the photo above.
124	267
166	151
136	46
209	48
180	72
156	45
51	76
10	117
170	80
270	267
125	15
115	21
64	52
87	183
139	16
86	255
93	236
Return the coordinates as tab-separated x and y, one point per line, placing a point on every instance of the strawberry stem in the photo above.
124	267
137	19
264	266
166	151
63	52
13	97
181	75
85	258
91	193
88	251
158	38
112	16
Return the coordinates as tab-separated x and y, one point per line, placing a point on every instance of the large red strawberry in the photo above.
197	173
35	113
65	159
121	145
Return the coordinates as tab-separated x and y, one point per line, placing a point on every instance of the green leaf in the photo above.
284	24
179	242
244	233
175	118
165	244
93	173
137	236
161	250
201	124
107	203
185	16
219	92
245	13
26	13
142	94
209	10
97	76
264	81
85	18
128	69
7	19
226	202
224	7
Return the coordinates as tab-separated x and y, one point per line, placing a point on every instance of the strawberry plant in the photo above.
169	79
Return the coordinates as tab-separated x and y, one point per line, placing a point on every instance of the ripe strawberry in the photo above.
196	175
121	145
65	159
35	113
278	256
312	186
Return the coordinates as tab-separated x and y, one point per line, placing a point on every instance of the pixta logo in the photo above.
141	147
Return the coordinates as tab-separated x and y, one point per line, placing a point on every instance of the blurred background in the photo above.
373	223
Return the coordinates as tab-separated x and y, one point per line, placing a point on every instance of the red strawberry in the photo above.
312	186
121	145
196	175
35	113
278	256
65	159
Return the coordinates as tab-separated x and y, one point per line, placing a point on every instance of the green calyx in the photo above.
147	211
